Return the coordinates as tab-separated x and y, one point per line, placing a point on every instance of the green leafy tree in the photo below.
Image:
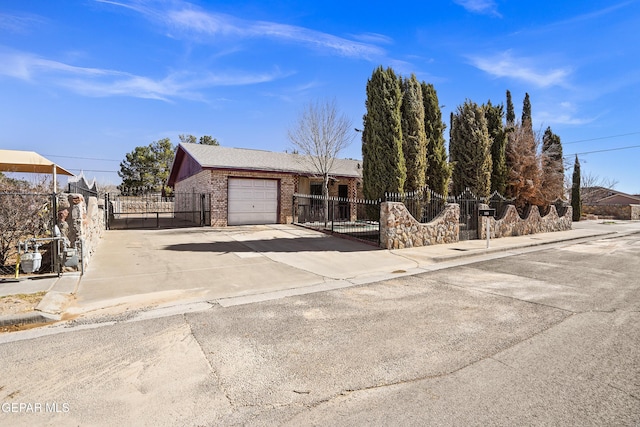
188	139
498	136
208	140
414	139
552	167
383	168
470	150
576	204
192	139
438	172
146	168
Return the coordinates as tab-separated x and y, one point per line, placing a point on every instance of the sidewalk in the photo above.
238	265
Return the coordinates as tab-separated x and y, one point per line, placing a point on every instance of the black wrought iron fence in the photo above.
424	204
357	218
79	188
500	203
157	210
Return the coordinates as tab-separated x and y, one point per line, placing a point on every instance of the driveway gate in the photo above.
468	203
157	211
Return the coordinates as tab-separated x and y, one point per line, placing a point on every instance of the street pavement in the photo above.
527	335
135	269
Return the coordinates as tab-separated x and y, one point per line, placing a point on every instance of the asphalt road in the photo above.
543	338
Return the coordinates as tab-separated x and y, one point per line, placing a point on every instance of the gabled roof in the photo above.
606	196
216	157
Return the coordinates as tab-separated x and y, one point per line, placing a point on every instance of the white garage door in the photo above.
252	201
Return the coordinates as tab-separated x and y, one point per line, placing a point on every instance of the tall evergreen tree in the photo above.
552	167
511	114
526	121
383	167
438	169
575	191
498	136
414	139
470	150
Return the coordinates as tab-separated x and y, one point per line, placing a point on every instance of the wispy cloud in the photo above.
185	17
19	23
525	69
482	7
103	82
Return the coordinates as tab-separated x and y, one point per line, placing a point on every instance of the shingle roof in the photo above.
211	156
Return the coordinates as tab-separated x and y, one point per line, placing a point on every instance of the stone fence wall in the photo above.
512	225
83	221
628	212
398	229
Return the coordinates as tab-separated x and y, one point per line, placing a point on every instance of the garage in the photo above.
252	201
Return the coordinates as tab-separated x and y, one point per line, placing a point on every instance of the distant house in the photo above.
254	186
609	203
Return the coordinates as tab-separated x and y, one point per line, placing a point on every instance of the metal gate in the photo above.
157	211
468	203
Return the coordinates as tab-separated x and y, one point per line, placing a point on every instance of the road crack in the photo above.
212	369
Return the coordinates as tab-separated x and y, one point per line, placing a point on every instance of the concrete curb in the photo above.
52	305
27	318
468	253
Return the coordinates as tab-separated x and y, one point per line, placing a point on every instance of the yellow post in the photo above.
18	266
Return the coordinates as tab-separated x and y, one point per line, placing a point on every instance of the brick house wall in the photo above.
215	182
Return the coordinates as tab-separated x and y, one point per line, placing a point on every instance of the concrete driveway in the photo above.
137	268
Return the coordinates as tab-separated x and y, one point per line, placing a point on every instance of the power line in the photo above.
602	137
91	170
602	151
81	158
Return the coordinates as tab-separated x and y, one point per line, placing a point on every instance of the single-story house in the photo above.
250	186
606	202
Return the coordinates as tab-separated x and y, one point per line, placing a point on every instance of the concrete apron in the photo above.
134	269
139	268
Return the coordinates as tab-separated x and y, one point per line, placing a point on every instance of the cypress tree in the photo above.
575	191
383	167
470	150
511	114
498	136
526	121
552	166
438	169
414	139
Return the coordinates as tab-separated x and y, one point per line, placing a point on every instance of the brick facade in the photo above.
215	182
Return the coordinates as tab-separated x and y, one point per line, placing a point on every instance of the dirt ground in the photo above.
21	303
15	304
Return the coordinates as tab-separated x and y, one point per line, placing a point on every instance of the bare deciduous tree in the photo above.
24	213
319	135
593	187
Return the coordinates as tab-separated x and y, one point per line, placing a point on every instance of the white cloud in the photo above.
184	17
525	69
19	23
103	82
483	7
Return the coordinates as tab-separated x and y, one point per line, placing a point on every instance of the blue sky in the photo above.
84	82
